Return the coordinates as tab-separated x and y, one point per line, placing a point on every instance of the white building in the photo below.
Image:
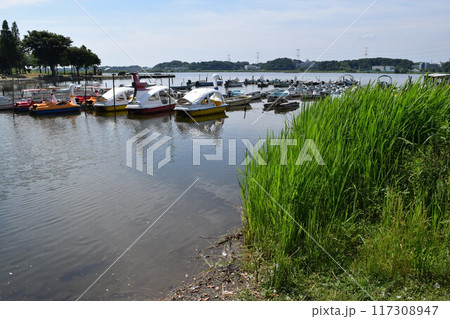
251	67
383	68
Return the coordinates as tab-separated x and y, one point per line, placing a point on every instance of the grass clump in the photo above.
378	209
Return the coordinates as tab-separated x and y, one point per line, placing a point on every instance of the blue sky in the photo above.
195	30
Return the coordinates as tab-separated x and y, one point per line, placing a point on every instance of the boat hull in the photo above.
110	108
74	109
237	101
201	112
18	109
150	110
6	107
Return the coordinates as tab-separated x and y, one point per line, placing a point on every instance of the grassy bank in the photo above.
373	222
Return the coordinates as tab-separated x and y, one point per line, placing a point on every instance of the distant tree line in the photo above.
280	64
446	67
286	64
176	65
400	65
41	49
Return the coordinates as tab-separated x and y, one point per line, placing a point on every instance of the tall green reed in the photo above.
365	137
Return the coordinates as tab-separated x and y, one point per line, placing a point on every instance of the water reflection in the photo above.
150	116
210	125
110	114
243	107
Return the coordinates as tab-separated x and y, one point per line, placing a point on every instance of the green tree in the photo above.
82	57
280	64
19	57
29	62
92	60
47	47
446	66
8	49
74	58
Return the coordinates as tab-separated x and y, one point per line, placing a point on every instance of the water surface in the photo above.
69	205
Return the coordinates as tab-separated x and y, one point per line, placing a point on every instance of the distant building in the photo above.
423	65
251	67
383	68
429	66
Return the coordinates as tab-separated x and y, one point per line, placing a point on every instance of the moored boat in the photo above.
5	103
114	100
237	98
256	95
87	95
281	84
55	107
278	94
29	98
233	83
23	105
151	99
201	101
281	104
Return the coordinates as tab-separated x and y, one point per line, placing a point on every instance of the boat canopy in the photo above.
157	88
119	90
196	96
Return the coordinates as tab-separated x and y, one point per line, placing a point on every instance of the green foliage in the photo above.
405	244
281	64
10	53
380	205
47	47
173	65
41	48
401	65
81	57
200	66
446	67
286	64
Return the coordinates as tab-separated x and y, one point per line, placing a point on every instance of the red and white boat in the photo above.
149	99
87	95
31	97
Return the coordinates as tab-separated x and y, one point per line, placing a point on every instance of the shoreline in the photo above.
223	278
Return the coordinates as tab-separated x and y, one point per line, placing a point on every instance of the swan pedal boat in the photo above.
152	99
200	102
105	103
55	107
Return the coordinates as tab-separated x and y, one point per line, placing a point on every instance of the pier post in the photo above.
114	93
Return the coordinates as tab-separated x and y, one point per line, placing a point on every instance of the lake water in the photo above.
69	205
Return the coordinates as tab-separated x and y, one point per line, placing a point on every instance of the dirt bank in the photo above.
223	278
